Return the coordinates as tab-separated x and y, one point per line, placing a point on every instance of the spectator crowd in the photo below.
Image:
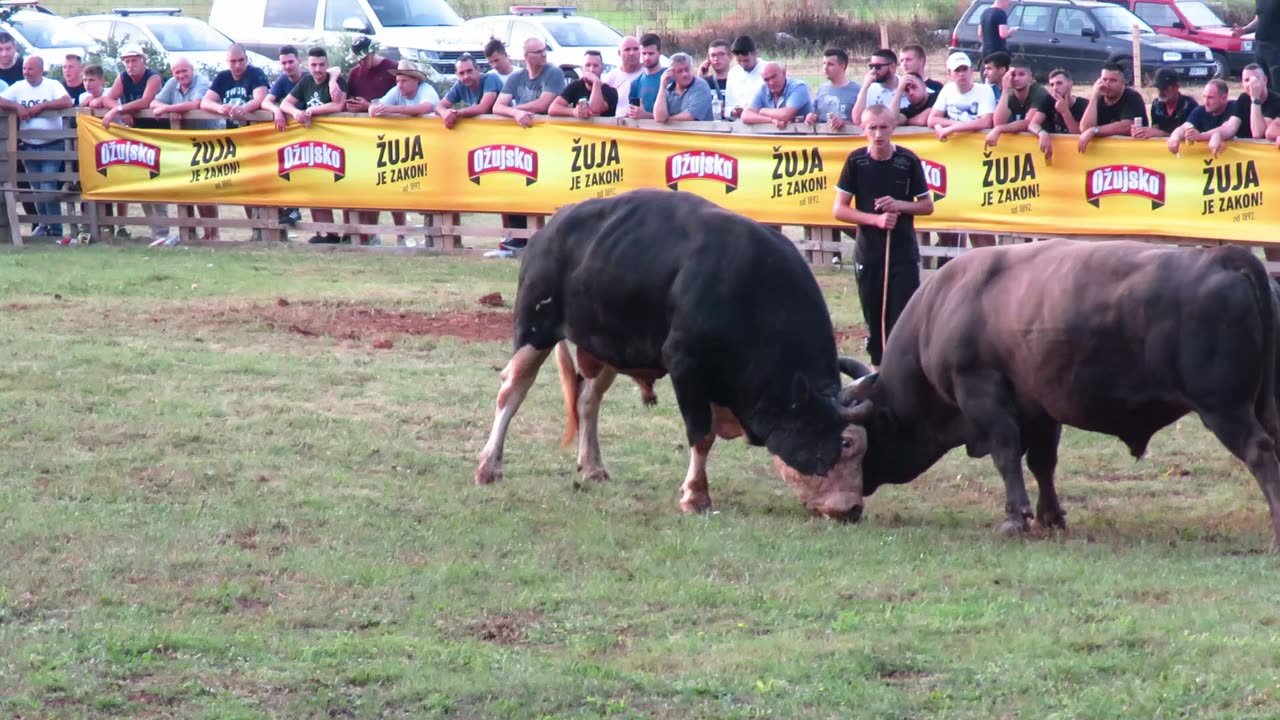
997	97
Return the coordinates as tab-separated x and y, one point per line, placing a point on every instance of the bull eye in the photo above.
846	443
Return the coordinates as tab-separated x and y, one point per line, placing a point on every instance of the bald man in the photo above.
781	101
29	99
181	94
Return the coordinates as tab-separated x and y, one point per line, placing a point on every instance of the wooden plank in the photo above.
11	170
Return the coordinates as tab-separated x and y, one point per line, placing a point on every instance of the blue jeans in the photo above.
38	164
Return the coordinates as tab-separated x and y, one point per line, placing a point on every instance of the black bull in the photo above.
655	282
1004	346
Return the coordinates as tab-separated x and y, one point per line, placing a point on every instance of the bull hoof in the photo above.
599	474
1275	547
1051	521
695	503
487	475
1014	526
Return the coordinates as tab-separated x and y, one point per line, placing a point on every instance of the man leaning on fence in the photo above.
473	94
587	96
235	93
684	96
181	94
319	92
528	92
715	71
781	101
290	74
132	92
31	99
836	97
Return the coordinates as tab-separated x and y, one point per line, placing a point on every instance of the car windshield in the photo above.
1118	21
179	35
414	13
583	32
49	31
1200	15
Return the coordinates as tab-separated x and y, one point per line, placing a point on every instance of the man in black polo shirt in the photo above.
600	99
881	190
1112	108
1170	109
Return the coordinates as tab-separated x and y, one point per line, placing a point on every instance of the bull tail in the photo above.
570	387
1267	405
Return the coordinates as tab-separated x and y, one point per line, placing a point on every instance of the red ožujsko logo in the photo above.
503	159
127	152
1124	180
702	165
311	155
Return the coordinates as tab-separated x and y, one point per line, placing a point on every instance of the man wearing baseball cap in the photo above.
371	78
132	92
962	104
1170	109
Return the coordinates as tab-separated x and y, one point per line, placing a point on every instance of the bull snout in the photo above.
851	515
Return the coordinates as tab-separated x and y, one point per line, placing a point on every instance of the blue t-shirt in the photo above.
239	92
646	88
795	94
281	88
460	96
1202	120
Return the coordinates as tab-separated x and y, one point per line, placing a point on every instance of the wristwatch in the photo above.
1257	101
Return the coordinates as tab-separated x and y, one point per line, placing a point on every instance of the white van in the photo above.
428	32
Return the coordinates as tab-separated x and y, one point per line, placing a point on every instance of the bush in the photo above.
802	31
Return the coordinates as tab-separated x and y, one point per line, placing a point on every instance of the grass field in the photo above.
219	499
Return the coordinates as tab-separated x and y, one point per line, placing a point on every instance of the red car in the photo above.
1195	21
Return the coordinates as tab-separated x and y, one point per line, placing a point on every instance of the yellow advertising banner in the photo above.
1118	187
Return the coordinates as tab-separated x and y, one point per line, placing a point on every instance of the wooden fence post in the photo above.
11	172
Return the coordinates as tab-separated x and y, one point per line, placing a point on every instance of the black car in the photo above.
1080	35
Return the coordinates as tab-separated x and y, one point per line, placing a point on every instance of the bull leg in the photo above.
593	390
695	407
694	493
1248	440
1042	460
517	377
993	417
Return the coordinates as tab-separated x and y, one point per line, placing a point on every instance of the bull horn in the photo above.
853	368
858	389
858	414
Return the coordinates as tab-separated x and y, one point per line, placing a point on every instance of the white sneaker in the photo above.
500	253
173	239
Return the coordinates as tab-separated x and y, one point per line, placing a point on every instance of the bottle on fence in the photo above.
717	108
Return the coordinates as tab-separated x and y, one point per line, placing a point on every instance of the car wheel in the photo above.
1221	68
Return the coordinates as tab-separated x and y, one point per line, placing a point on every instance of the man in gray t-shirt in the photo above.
684	96
837	96
530	91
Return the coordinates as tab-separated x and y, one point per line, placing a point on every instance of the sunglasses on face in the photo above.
877	66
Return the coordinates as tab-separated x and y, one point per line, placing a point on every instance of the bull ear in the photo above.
858	389
853	368
858	414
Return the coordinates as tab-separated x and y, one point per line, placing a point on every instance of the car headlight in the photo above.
1246	46
1171	56
422	56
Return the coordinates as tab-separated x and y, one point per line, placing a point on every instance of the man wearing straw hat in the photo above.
412	95
881	190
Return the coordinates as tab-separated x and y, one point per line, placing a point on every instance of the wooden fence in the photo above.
443	232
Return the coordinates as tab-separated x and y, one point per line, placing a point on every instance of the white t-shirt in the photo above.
878	94
25	95
963	107
741	87
426	93
621	81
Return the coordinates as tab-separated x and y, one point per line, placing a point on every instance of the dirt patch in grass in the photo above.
363	322
501	629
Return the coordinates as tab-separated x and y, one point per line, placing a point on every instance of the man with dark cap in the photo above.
1170	109
372	78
